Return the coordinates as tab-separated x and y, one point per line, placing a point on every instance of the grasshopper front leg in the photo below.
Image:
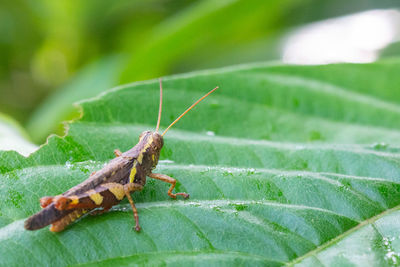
170	180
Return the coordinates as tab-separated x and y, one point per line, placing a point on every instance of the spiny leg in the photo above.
128	188
172	181
60	225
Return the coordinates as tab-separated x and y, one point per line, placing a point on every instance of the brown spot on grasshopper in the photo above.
105	188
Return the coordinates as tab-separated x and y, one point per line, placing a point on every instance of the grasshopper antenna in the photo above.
186	111
160	107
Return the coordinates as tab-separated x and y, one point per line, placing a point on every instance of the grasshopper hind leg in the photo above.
103	196
60	225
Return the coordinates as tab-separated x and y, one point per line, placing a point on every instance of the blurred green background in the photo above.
56	52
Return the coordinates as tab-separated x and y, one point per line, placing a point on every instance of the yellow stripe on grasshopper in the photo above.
133	173
116	189
95	197
146	146
139	159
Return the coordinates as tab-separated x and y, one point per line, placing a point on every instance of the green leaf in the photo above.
283	163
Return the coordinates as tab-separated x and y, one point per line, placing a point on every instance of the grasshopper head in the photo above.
154	139
152	143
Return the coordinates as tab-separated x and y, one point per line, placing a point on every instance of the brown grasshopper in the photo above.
107	187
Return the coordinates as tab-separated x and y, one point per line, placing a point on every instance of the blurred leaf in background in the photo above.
13	137
54	53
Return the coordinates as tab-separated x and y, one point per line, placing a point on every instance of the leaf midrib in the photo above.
338	238
176	253
210	204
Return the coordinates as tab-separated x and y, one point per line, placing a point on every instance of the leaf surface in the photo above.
283	164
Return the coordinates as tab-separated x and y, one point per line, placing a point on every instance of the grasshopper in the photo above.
105	188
